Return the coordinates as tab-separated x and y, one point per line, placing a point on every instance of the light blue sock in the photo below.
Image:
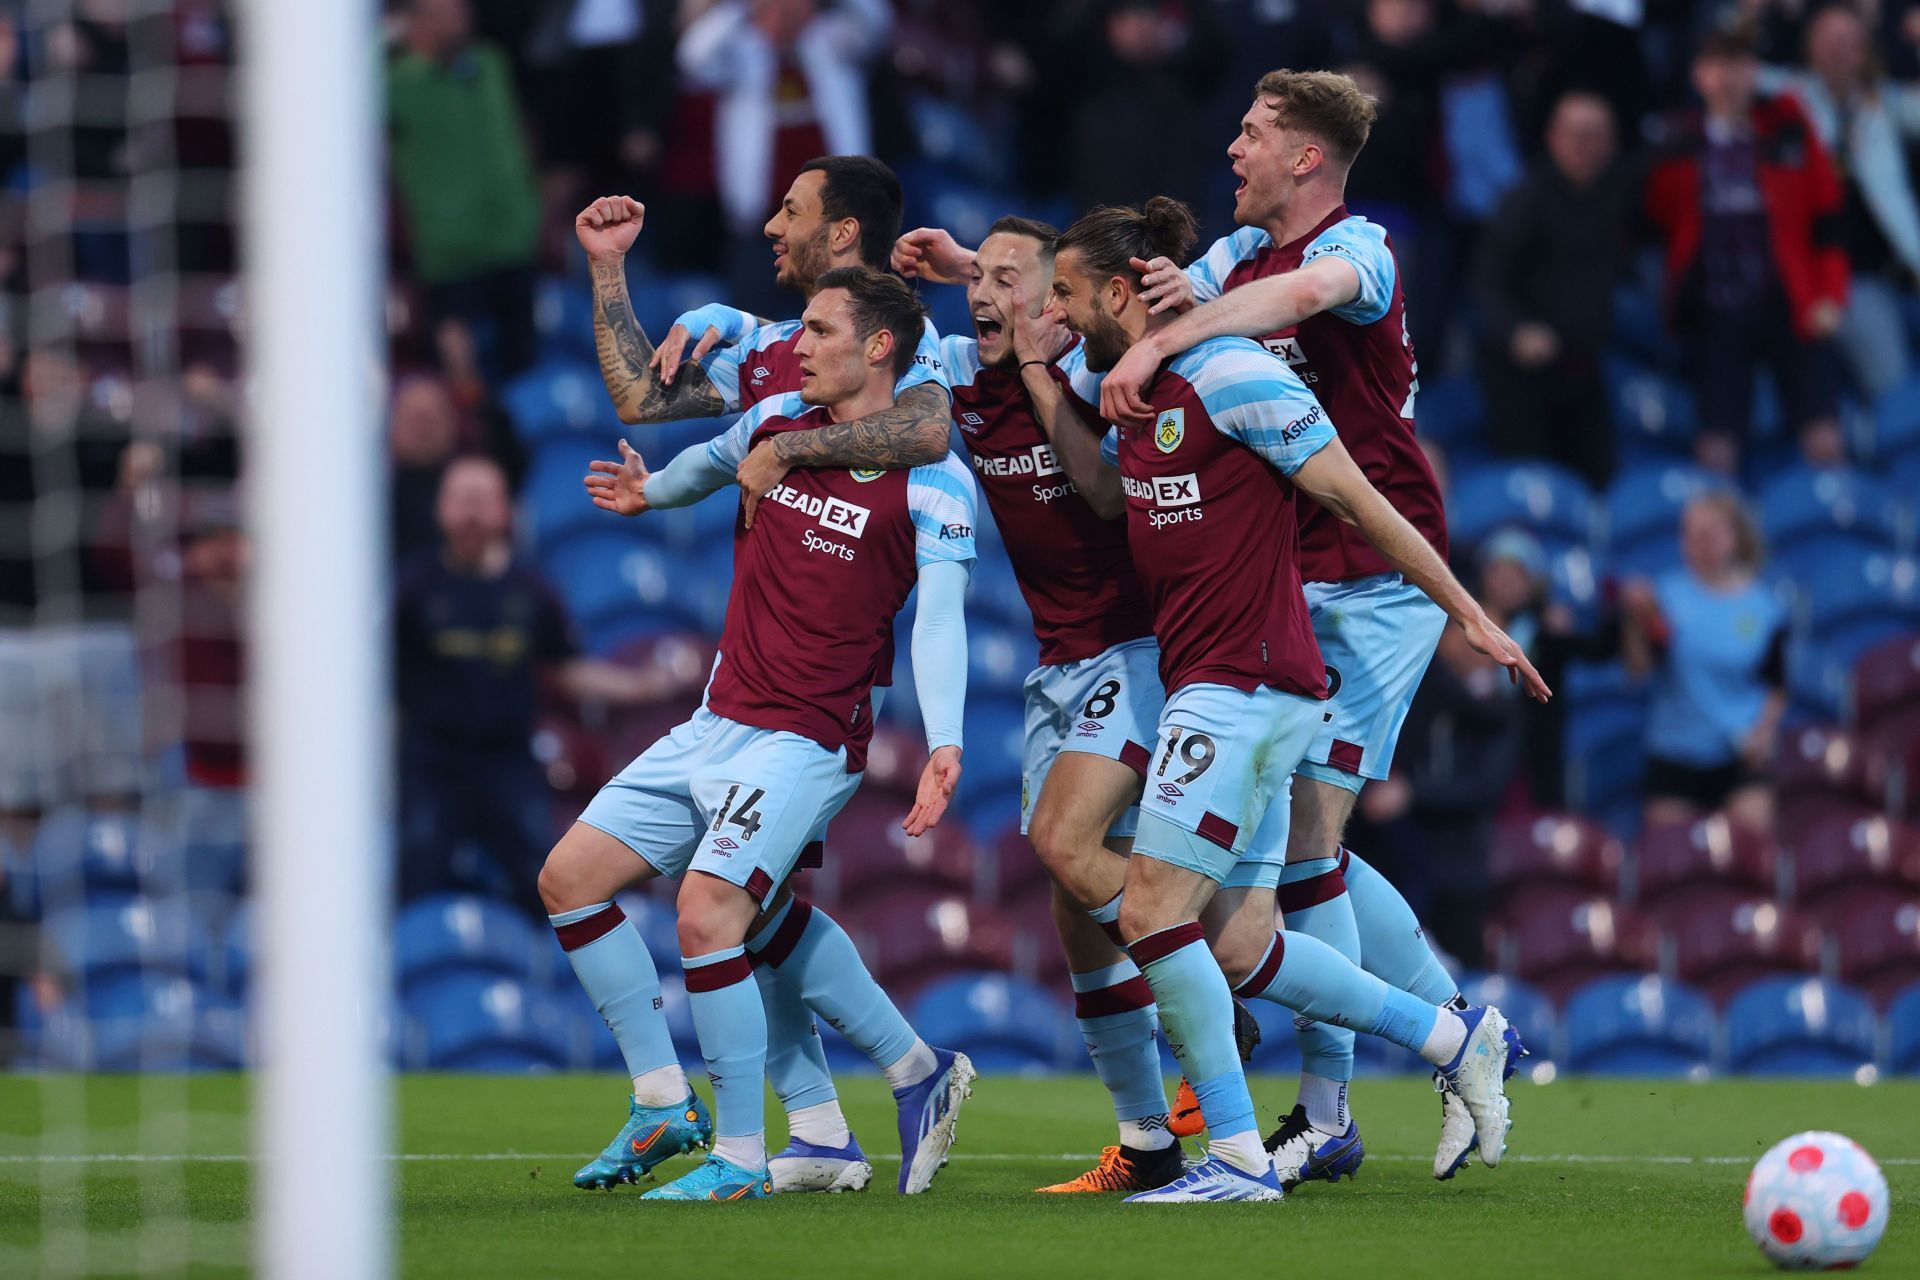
1393	947
1308	976
796	1060
1197	1011
613	966
1321	909
1115	1010
814	956
732	1026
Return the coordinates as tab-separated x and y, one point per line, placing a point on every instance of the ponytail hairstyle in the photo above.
1109	236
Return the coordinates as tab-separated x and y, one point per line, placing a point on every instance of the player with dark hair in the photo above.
1210	486
730	800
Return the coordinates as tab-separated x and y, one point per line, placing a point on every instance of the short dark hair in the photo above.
1109	235
864	189
881	301
1034	229
1733	42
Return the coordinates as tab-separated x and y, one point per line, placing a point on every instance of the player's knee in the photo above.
559	883
1237	959
1140	916
714	915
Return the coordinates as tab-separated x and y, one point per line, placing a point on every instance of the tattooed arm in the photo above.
607	229
911	432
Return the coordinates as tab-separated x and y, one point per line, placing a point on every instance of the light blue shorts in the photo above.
1106	705
1376	636
725	798
1219	788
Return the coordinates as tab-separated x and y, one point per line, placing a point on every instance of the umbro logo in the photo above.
1089	726
1170	792
761	373
973	419
725	842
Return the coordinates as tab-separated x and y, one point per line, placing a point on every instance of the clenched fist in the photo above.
608	226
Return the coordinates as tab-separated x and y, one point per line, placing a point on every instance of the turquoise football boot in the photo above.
716	1179
651	1136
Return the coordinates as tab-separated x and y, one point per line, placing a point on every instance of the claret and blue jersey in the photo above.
761	363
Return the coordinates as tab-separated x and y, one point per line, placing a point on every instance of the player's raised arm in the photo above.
1330	478
911	432
1256	308
607	229
930	253
717	324
1037	344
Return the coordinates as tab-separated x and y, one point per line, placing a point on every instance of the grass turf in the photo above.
1647	1200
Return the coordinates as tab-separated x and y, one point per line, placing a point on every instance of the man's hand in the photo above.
1534	344
672	351
607	227
1042	337
760	473
1164	286
621	486
1123	393
929	253
1823	318
937	782
1489	639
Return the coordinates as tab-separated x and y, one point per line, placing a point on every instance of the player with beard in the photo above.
839	211
1210	484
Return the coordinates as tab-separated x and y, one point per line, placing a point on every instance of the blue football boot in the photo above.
1302	1153
928	1112
1214	1180
716	1179
651	1136
806	1166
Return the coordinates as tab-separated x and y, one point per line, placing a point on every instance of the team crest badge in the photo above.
863	476
1170	430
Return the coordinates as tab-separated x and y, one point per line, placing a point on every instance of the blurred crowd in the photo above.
1719	195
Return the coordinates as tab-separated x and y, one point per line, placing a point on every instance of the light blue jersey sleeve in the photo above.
928	364
1362	244
729	448
939	651
944	504
1110	447
722	365
733	323
1254	397
1082	381
961	356
1209	273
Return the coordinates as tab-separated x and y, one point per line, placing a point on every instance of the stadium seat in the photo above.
1721	946
1819	771
1018	872
78	851
1846	858
479	1021
1452	413
1877	943
994	592
1805	513
1886	679
1562	950
1642	514
1548	501
1903	1032
1552	849
1680	865
560	397
999	658
660	297
913	936
895	759
118	934
1644	1026
1526	1007
868	853
563	314
1860	598
1653	412
1003	1023
553	503
461	933
1893	762
996	729
1800	1027
1896	422
165	1024
604	573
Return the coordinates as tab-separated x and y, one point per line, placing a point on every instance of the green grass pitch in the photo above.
1604	1178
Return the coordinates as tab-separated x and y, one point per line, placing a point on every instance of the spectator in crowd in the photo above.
69	692
1548	262
1866	122
791	78
475	633
465	182
1744	197
602	85
423	434
1712	636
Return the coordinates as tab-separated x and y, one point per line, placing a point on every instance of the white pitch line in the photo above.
451	1156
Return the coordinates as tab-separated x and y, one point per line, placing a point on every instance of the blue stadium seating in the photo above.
659	298
563	314
168	1025
1643	1026
1548	501
112	934
1896	422
1640	327
459	932
1525	1006
1805	514
999	658
481	1021
1642	513
993	592
1003	1023
995	732
1903	1032
1799	1026
1653	412
604	574
553	502
1451	413
1859	598
560	397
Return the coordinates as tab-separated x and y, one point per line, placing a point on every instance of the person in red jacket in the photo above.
1748	204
